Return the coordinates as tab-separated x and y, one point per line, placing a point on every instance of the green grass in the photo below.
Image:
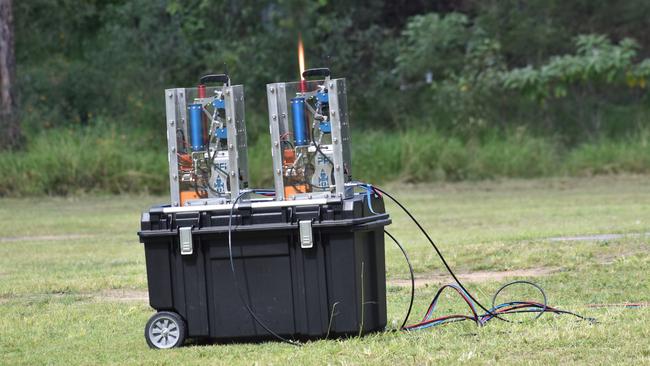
60	295
105	160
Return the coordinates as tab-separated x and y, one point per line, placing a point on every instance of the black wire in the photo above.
408	261
442	258
234	276
451	272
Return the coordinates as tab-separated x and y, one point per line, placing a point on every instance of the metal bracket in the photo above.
185	240
306	235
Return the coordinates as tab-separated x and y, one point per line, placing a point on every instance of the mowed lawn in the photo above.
73	283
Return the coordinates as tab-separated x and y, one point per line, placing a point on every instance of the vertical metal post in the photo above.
273	96
172	149
231	130
337	146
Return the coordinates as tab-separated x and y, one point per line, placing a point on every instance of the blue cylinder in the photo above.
196	126
299	121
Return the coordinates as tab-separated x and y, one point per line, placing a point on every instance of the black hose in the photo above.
408	261
234	276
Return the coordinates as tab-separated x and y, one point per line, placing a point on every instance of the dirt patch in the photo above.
473	277
44	238
122	295
118	295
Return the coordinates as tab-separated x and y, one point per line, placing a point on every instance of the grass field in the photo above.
73	283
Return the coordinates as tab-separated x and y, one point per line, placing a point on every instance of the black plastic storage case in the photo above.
335	288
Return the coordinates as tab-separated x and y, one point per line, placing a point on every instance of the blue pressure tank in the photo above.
299	122
196	127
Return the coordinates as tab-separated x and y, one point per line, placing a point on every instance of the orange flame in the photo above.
301	56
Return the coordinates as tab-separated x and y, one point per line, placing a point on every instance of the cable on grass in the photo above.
496	311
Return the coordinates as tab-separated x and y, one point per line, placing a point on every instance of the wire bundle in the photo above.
507	308
496	311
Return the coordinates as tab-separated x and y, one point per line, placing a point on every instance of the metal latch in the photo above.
306	237
185	240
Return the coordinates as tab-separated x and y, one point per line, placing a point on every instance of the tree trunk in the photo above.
9	123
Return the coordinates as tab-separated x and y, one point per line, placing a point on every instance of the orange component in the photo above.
288	156
185	161
187	196
293	190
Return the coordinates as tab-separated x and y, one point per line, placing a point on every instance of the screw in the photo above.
338	167
231	146
335	140
169	94
278	171
175	203
331	85
276	144
171	122
274	117
173	149
175	176
232	173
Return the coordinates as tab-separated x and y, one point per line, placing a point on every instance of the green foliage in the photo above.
597	61
435	44
69	161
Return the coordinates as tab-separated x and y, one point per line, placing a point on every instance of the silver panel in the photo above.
344	117
337	146
272	92
255	204
172	149
236	130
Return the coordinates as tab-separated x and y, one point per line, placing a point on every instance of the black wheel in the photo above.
165	330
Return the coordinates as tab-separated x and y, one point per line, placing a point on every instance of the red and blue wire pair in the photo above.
513	307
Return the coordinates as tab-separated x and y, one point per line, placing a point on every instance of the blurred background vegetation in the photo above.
438	90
